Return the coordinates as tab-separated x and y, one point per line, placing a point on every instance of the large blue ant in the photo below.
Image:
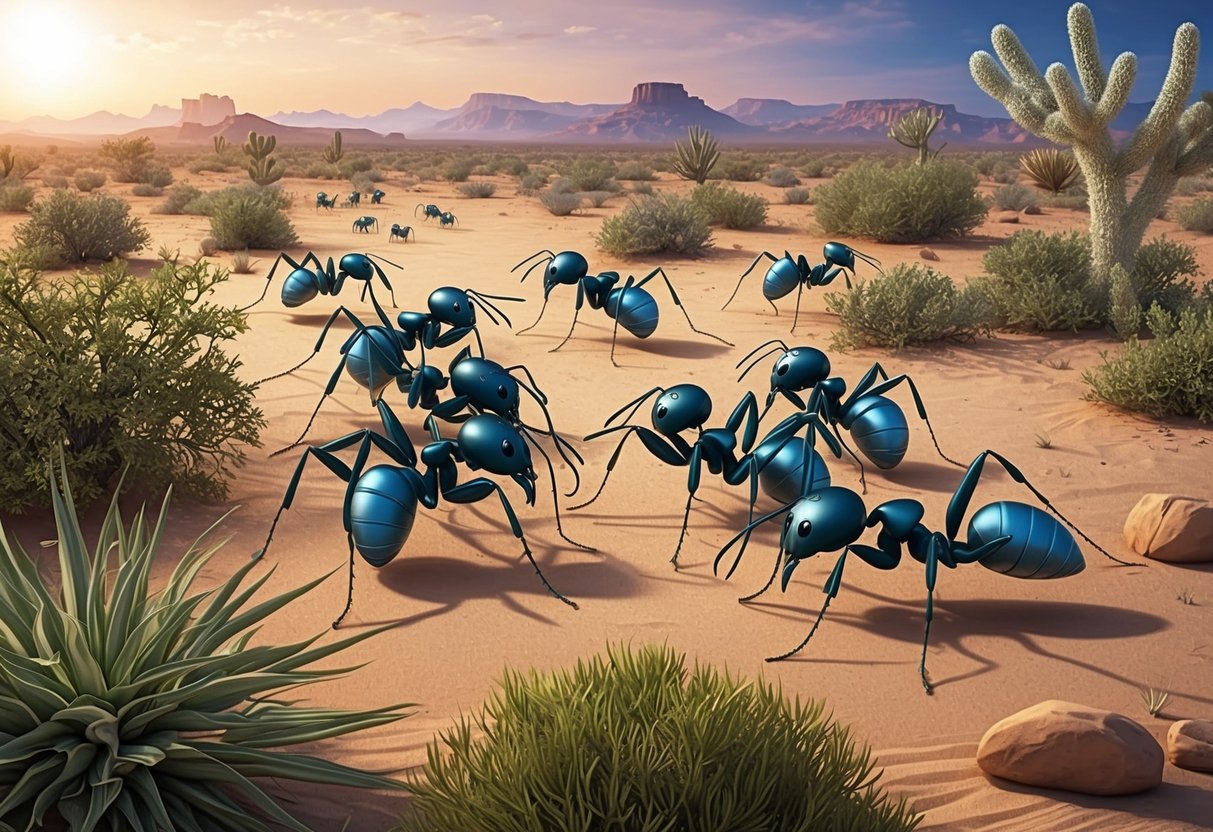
447	219
787	273
686	407
431	210
629	305
381	502
364	224
323	200
377	197
1012	538
403	232
876	423
303	284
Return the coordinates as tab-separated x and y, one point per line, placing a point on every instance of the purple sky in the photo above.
68	57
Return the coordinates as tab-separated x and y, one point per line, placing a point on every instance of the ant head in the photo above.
799	369
452	306
358	266
489	442
824	521
680	408
837	254
567	267
487	385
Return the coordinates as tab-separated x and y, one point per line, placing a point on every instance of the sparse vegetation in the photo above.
458	171
914	130
908	204
739	169
245	218
89	180
479	189
242	263
182	199
15	198
1043	440
698	156
130	158
1043	281
635	172
559	203
80	228
597	198
798	196
262	167
642	189
15	167
592	174
1154	699
636	741
1050	169
1015	198
144	189
1186	597
729	207
1197	215
782	177
664	223
908	304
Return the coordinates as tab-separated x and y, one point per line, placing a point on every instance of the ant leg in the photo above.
555	501
576	312
775	571
830	590
678	303
889	384
796	314
692	487
349	595
766	254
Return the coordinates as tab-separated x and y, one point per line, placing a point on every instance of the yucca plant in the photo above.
698	156
914	130
1050	169
132	710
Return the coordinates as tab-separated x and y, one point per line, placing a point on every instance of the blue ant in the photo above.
629	305
381	502
787	273
1011	538
686	407
303	284
431	210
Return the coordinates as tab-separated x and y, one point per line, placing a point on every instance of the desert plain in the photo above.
464	606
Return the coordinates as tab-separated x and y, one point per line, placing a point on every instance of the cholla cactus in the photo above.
1174	141
262	169
333	153
696	158
914	130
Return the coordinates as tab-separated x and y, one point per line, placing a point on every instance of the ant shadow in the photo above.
915	475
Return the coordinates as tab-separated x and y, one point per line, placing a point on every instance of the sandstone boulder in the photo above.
928	254
1061	745
1171	528
1006	216
1190	744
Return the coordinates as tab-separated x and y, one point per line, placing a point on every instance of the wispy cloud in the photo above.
139	41
579	30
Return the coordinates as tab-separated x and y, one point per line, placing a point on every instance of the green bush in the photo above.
739	169
357	163
144	189
480	189
208	164
729	207
249	217
798	196
908	304
15	198
642	188
815	169
130	158
1161	274
1041	281
635	172
457	171
157	177
182	199
139	710
782	177
597	198
1197	215
559	203
907	204
663	223
321	170
1170	375
1124	309
366	180
563	185
89	180
591	174
1068	201
123	371
638	742
1015	198
79	228
528	183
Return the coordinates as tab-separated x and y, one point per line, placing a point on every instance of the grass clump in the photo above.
559	203
480	189
597	199
89	180
139	710
908	304
635	741
15	198
1197	215
1169	375
1042	282
782	177
123	372
798	196
1015	198
183	198
739	169
591	174
729	207
79	228
457	171
664	223
906	204
249	217
635	172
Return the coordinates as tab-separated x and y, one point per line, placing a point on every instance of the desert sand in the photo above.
465	606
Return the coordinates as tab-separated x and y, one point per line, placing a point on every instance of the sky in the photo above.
68	58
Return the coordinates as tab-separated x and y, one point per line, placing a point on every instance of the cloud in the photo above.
145	43
580	30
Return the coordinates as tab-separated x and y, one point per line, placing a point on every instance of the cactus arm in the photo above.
1085	47
1020	65
1176	87
1019	105
1076	113
1116	92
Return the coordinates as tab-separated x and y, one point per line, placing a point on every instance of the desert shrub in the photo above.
656	224
89	180
636	741
130	158
1051	169
739	169
635	172
1197	215
15	197
592	174
729	207
511	166
155	690
321	170
798	196
642	188
157	177
1069	201
480	189
242	263
559	203
597	198
54	180
1169	375
1041	281
906	204
208	246
1015	198
528	183
79	228
208	164
366	180
183	198
249	217
782	177
457	171
563	185
1162	272
908	304
1005	173
144	189
815	169
355	163
1192	185
122	371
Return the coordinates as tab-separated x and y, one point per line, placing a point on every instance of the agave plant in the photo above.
698	156
127	709
1050	169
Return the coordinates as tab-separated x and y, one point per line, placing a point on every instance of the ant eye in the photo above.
507	448
662	410
552	270
804	528
501	392
782	370
455	306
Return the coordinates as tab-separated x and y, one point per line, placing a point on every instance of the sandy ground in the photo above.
465	606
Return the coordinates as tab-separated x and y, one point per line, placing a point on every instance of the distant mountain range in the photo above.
657	112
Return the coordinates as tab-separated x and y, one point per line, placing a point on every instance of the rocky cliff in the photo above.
206	109
658	111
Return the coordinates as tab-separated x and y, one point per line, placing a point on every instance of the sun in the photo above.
44	44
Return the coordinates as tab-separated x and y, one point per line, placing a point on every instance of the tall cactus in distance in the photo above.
221	144
1174	141
333	153
696	158
262	168
914	130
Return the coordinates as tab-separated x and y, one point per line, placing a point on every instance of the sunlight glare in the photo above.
44	44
